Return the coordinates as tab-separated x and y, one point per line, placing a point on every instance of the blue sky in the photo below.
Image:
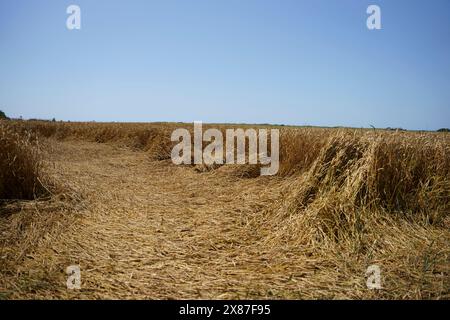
255	61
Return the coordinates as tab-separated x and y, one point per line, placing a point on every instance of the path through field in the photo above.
151	229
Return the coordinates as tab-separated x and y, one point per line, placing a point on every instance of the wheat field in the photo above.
107	197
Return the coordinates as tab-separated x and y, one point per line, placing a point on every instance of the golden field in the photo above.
107	197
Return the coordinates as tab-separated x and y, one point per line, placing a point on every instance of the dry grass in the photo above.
20	166
370	197
343	199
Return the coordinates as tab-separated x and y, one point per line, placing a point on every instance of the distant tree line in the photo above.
3	115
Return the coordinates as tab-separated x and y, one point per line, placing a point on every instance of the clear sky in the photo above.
256	61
